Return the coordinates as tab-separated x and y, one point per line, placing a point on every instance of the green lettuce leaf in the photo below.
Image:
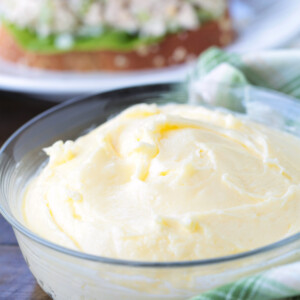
205	16
109	39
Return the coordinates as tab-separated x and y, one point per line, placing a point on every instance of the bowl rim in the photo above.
124	262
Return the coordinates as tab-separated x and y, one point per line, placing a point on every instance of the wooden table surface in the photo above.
16	281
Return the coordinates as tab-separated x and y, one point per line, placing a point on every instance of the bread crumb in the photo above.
179	54
142	50
225	39
158	61
121	61
225	24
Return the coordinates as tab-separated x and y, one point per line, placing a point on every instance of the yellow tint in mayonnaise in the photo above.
168	183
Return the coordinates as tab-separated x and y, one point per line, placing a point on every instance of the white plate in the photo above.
48	84
261	25
265	24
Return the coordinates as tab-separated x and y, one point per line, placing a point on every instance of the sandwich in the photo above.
110	35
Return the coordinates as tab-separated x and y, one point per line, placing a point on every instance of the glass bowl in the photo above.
68	274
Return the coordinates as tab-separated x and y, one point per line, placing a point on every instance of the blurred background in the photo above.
25	92
258	25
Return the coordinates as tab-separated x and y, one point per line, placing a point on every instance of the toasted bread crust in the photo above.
174	49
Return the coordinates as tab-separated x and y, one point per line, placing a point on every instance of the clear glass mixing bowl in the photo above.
67	274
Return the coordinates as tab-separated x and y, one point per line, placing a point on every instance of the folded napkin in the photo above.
231	80
278	70
278	283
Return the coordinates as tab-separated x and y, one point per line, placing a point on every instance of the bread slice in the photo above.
174	49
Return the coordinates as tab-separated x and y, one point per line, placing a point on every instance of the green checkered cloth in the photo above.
278	70
279	283
236	82
216	70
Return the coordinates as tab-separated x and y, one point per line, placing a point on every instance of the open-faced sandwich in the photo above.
115	35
